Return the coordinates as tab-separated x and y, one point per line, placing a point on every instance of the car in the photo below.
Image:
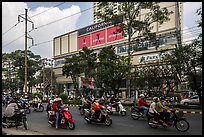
193	100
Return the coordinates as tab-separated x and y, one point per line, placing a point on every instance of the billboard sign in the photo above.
113	35
84	41
98	38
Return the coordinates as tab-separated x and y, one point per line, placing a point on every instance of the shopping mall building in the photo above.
101	34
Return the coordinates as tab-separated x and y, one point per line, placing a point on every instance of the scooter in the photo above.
38	109
111	109
103	117
65	119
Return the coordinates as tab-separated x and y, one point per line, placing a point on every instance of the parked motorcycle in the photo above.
18	119
65	119
103	117
176	120
121	110
137	112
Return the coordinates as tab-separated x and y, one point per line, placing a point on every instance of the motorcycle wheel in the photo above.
108	122
25	123
123	113
71	125
135	115
182	125
41	109
151	124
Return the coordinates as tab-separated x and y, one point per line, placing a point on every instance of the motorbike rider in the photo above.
56	107
114	102
162	109
96	109
36	102
50	103
11	110
142	104
152	109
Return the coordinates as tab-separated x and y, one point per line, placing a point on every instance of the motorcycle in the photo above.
176	120
82	108
137	112
38	109
18	119
25	106
111	109
103	117
65	118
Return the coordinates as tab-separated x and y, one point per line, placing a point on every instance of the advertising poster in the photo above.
113	35
84	41
98	38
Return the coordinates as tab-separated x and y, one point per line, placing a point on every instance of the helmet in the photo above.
154	98
58	99
141	95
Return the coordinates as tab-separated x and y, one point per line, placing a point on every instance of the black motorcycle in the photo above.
137	112
103	117
19	119
176	120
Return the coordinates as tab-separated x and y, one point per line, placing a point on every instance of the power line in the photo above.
13	41
10	28
63	18
34	16
47	9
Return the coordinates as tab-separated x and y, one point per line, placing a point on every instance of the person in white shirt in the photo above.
152	109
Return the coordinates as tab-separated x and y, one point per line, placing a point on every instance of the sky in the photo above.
43	35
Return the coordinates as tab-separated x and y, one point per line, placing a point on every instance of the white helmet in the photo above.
141	95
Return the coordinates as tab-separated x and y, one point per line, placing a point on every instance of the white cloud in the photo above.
10	12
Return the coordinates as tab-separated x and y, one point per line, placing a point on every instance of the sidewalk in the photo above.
14	131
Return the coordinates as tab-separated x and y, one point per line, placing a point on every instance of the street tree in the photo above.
135	26
73	68
187	61
111	69
19	64
88	59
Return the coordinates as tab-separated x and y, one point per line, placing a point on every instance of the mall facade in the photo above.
102	34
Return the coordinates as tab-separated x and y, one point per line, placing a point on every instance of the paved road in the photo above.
37	121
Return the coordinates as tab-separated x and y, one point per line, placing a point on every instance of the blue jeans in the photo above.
57	118
144	109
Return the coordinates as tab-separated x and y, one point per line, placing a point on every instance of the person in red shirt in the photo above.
56	107
96	108
142	104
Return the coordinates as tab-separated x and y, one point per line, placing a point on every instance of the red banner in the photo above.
113	35
98	38
84	41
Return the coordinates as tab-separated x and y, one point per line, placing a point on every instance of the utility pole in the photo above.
178	25
51	76
43	76
26	36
